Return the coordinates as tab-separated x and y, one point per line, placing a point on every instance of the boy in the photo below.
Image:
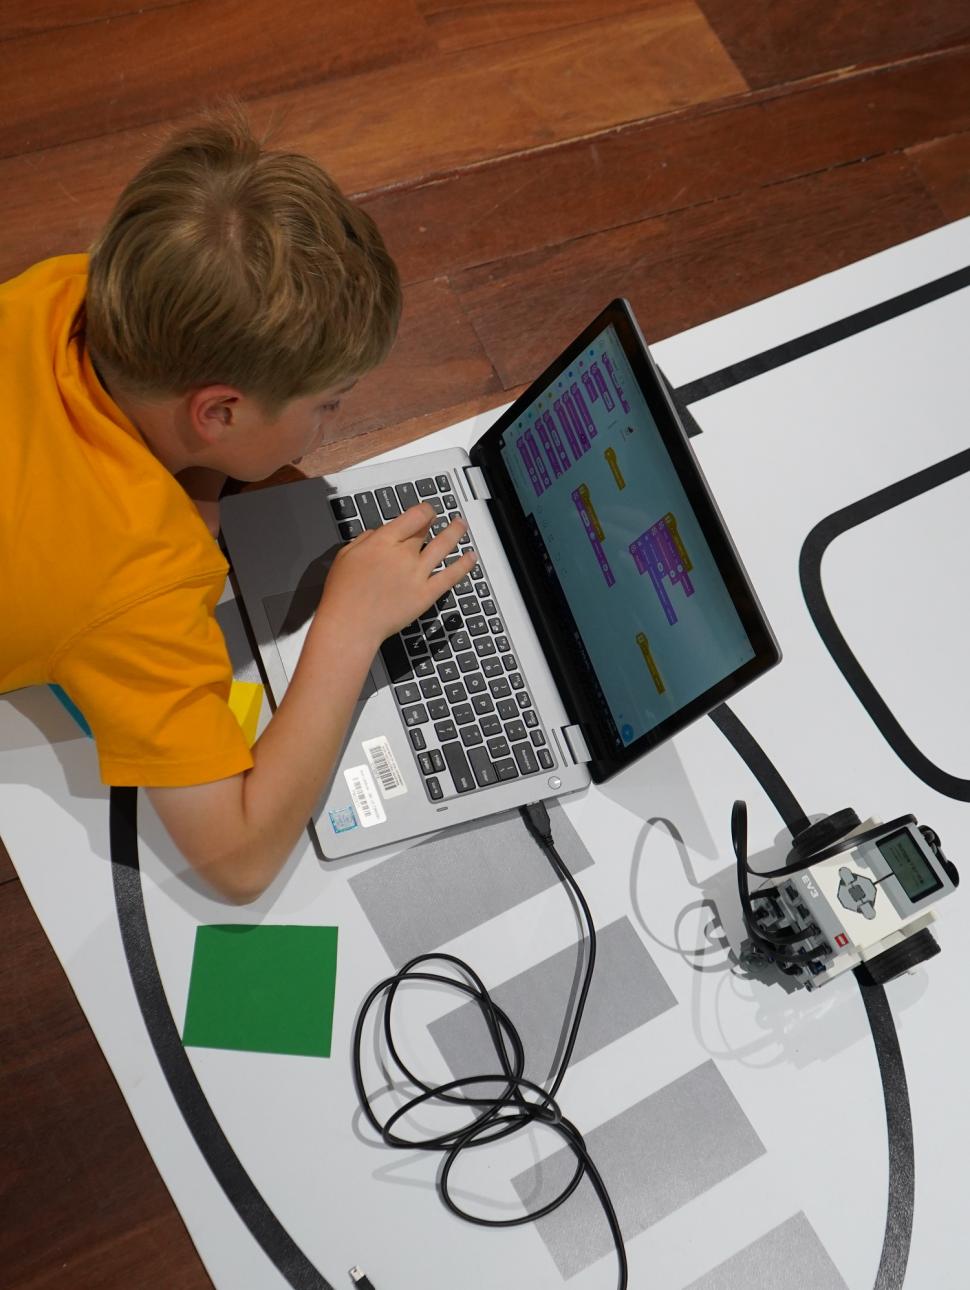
231	298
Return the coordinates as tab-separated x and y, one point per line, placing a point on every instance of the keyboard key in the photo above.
484	645
411	629
453	622
435	791
350	529
446	602
509	663
396	660
545	759
430	688
488	607
474	683
492	666
424	761
460	641
538	738
478	572
455	693
506	709
457	762
437	527
417	740
448	671
415	716
462	713
515	680
525	758
369	511
467	662
438	710
476	625
468	604
437	761
407	496
490	725
523	700
482	703
425	487
445	730
343	508
499	688
434	628
463	587
530	718
499	748
440	650
443	482
423	667
387	501
506	769
415	646
449	499
514	731
482	589
482	767
495	626
501	642
437	505
407	694
470	735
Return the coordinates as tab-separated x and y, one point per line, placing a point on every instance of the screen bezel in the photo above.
565	657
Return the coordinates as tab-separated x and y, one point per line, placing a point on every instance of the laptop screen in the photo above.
620	543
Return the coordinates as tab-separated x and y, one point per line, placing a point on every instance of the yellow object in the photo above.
650	662
245	704
610	455
110	578
671	522
593	517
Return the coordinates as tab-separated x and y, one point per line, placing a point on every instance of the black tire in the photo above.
900	958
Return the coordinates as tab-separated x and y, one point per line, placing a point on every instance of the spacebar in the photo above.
461	773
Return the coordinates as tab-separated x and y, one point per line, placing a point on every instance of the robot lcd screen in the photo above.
915	875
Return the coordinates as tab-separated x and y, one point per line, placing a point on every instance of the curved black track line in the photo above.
892	1073
810	573
240	1190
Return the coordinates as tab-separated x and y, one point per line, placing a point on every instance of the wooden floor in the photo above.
527	160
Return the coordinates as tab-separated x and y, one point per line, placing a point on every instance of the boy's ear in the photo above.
214	412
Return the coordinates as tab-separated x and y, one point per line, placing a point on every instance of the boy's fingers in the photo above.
445	542
413	522
447	577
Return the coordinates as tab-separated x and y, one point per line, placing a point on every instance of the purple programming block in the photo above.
601	386
638	556
672	557
527	460
550	452
616	384
604	564
584	416
550	425
590	385
540	465
594	541
661	591
579	430
567	430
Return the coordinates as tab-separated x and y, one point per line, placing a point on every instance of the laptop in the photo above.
608	610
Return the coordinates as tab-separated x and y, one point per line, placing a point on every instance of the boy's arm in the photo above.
238	832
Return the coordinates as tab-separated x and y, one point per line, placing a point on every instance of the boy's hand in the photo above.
385	578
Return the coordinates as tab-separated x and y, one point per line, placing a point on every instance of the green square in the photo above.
263	989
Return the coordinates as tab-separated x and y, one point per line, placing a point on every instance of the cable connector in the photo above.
537	821
360	1280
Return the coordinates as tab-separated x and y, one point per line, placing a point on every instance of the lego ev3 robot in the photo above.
851	895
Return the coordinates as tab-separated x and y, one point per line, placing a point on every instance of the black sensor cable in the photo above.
521	1102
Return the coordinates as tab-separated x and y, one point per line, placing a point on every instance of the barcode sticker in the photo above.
384	765
363	793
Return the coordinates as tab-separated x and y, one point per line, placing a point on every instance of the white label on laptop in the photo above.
384	765
363	792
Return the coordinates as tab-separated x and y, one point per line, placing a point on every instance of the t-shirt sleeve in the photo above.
153	684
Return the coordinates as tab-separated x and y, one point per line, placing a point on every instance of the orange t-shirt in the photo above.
108	576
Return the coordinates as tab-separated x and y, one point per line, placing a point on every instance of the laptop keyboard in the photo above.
455	675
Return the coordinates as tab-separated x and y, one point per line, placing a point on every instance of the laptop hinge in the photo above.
576	744
477	484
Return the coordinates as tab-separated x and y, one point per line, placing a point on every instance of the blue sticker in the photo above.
342	820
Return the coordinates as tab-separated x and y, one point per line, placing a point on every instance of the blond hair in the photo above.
227	263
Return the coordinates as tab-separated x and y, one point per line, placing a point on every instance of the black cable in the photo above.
521	1102
764	771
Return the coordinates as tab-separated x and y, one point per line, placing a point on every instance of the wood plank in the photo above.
944	167
776	43
7	872
77	1175
189	53
682	269
463	24
437	361
543	198
17	18
158	1253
